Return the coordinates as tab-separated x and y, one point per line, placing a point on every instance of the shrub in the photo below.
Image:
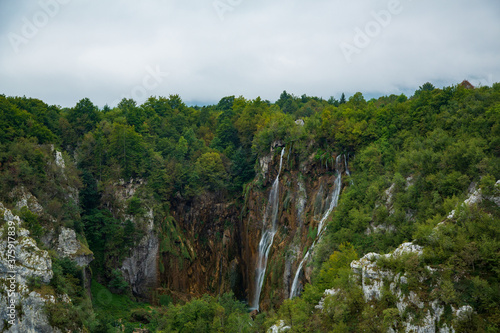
117	283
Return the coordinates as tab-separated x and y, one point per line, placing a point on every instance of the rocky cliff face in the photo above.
305	197
419	310
210	244
68	246
200	248
373	279
140	265
25	269
21	309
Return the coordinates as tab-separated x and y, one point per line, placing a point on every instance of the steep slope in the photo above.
305	197
167	203
210	244
21	261
44	262
442	282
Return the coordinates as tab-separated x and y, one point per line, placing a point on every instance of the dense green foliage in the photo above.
463	254
429	149
412	161
68	280
206	314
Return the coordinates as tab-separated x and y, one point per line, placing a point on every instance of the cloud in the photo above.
102	50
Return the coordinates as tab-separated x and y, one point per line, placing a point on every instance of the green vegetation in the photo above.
206	314
68	280
114	311
463	254
412	161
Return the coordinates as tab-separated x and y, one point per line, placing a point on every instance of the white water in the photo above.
295	290
346	168
268	231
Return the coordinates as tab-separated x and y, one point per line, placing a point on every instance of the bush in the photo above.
117	284
135	207
34	282
64	316
141	315
31	222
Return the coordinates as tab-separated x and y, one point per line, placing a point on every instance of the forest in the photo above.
431	149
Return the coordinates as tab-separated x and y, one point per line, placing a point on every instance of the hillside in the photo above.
339	215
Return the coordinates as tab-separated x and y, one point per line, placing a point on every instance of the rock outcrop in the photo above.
279	327
25	199
140	269
302	204
140	266
476	196
22	310
374	278
70	247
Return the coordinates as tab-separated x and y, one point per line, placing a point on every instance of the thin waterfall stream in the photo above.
269	229
295	289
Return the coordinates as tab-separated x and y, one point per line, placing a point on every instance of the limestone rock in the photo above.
476	196
140	269
33	317
264	164
276	144
464	312
60	160
301	202
278	327
26	199
70	247
371	277
327	293
125	190
30	262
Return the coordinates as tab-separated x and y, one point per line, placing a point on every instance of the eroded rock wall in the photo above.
21	309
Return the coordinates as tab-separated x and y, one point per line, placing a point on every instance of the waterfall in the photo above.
346	167
294	291
334	199
269	229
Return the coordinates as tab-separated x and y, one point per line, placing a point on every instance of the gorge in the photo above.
299	215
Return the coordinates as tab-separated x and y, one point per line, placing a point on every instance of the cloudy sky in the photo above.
63	50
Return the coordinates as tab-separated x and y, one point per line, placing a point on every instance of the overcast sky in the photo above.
64	50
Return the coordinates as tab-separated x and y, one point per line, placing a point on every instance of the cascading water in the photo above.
266	241
295	290
334	196
347	172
